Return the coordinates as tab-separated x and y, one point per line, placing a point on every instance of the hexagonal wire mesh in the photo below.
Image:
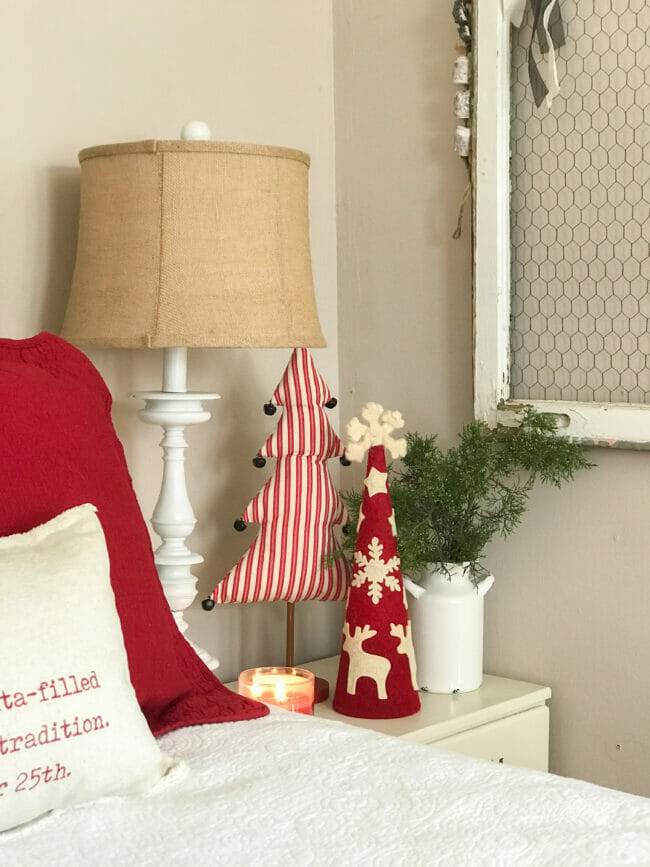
579	216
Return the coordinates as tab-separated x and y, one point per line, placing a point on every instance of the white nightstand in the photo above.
504	721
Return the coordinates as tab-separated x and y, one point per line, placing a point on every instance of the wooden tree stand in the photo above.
321	686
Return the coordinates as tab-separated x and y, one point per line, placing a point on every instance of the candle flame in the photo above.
278	686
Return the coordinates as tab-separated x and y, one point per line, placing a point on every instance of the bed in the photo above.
292	789
92	667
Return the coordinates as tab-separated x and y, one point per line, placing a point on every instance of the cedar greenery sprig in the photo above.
449	503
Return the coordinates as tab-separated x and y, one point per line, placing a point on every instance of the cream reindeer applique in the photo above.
362	663
405	646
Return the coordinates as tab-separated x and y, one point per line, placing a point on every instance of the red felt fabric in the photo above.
58	449
375	679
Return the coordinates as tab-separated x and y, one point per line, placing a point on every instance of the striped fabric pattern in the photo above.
298	507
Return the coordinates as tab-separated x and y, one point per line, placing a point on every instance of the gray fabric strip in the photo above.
556	32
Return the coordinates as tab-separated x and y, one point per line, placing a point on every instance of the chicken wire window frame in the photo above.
624	425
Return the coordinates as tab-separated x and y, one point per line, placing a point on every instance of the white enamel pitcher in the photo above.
447	626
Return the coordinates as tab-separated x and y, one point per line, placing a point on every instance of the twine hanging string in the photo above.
461	210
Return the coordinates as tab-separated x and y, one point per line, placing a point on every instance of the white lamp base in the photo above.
173	518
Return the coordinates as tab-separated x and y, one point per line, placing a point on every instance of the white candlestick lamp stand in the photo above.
174	408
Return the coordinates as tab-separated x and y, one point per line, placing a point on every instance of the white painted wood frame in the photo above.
624	425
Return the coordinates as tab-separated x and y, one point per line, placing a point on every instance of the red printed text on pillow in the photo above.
48	732
57	687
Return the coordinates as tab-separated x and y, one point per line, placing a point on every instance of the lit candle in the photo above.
290	688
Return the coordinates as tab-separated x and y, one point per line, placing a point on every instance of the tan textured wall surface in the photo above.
404	284
78	74
570	603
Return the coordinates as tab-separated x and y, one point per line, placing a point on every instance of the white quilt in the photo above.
290	789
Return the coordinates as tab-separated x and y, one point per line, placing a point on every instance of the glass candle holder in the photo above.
290	688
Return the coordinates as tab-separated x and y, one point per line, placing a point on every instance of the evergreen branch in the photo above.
449	504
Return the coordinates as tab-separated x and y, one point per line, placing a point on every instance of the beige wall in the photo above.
570	609
404	284
74	74
571	601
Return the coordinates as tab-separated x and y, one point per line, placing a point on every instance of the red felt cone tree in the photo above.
376	677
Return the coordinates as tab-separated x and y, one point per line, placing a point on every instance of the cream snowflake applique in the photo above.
375	571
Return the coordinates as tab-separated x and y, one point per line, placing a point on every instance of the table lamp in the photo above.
190	243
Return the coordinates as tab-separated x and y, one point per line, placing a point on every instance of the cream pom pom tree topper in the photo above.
377	676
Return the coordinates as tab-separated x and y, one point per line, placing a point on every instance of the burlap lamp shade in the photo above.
193	243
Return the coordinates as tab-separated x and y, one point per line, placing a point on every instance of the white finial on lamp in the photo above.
196	130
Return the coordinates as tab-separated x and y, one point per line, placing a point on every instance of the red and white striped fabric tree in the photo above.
298	507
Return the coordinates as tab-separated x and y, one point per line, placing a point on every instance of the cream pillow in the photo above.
70	726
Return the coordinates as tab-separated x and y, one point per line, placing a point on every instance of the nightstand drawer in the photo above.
503	719
520	739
